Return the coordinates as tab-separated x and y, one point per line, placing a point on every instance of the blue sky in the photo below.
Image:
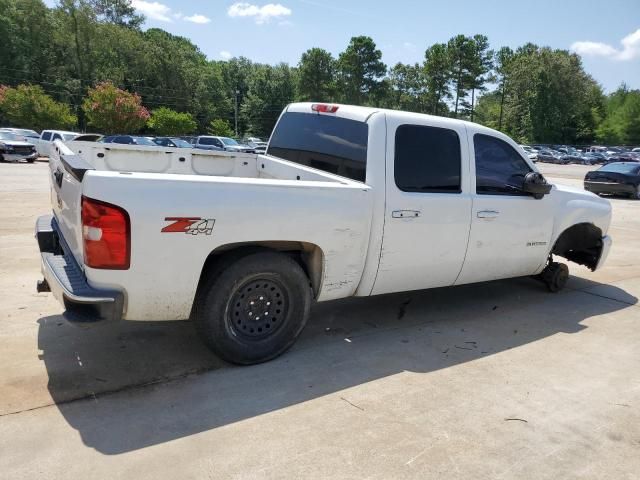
280	30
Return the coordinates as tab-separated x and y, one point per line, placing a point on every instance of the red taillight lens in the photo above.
324	108
106	234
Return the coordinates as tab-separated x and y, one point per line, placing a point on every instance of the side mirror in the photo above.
535	184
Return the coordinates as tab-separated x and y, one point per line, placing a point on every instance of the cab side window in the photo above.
427	159
500	170
46	136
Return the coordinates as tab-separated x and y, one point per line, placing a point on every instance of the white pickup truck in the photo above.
44	144
346	201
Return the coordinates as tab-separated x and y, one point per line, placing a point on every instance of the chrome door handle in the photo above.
488	214
405	213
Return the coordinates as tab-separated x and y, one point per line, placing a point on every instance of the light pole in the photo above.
236	110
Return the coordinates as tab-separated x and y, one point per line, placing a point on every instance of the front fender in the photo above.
573	206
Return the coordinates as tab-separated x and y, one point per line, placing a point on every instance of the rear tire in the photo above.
254	309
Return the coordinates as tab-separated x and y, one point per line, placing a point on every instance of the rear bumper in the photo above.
66	280
610	187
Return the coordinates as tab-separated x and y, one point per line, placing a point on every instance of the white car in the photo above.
13	149
347	201
23	134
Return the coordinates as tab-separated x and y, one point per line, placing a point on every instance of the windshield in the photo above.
143	141
7	136
27	133
228	141
181	143
620	168
69	136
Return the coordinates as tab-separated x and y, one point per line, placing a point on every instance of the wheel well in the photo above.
581	243
308	255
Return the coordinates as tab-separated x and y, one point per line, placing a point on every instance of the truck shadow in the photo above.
346	343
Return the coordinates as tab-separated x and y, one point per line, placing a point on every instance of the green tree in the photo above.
270	90
461	51
502	60
360	71
118	12
316	75
30	107
165	121
408	87
481	65
220	128
437	74
622	121
112	110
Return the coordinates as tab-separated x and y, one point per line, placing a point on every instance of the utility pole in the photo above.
236	115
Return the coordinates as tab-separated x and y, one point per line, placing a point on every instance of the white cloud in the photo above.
630	48
260	14
197	18
154	10
225	55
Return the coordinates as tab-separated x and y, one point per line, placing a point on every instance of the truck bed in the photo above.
193	161
248	199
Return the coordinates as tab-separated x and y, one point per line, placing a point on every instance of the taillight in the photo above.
324	108
106	234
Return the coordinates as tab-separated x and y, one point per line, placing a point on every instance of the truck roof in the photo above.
362	114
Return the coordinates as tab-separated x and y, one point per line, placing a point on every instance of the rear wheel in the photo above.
636	195
253	310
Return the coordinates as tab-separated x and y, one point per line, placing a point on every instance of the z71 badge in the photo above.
189	225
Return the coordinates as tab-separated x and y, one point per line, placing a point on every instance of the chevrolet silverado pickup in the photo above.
347	201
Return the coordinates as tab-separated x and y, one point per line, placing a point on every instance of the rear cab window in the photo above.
328	143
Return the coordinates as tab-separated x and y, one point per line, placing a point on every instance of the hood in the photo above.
16	143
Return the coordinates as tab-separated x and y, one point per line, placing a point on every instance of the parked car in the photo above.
637	149
22	134
623	157
348	201
208	142
47	137
129	140
597	157
620	178
260	146
211	142
174	142
12	149
576	157
531	153
551	156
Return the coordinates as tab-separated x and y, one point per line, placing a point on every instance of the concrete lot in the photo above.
493	380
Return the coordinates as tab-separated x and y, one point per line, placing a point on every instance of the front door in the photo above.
510	230
428	204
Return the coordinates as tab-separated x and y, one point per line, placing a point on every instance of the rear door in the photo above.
428	204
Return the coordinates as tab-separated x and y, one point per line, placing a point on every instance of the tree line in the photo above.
535	94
